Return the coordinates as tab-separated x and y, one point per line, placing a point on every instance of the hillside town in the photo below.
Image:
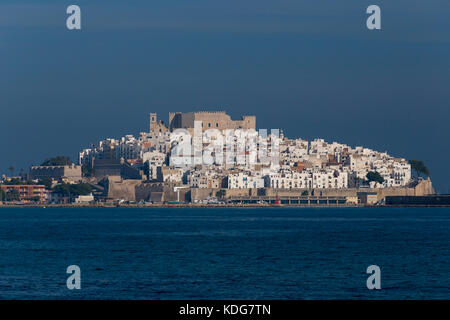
208	158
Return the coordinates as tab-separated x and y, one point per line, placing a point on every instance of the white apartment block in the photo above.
244	180
154	159
289	180
330	179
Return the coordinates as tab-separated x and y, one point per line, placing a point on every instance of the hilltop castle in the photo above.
210	120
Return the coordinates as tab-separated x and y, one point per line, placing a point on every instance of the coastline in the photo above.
194	205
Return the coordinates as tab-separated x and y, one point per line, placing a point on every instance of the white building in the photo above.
243	180
329	179
84	199
205	179
154	159
289	180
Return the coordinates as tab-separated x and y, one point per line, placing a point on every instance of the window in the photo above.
209	124
217	124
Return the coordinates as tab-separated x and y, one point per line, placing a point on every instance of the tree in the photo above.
46	181
11	168
16	181
87	170
63	189
81	189
12	182
419	167
12	195
57	161
221	193
374	176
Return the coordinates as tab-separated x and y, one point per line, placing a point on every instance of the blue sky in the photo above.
310	67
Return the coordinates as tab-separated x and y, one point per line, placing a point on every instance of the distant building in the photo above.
244	180
58	198
154	160
69	172
268	161
170	174
107	167
210	120
84	199
27	192
205	179
157	126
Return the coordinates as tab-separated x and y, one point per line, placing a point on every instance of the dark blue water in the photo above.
272	253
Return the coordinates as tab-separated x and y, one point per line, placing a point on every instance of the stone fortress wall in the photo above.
71	172
157	192
210	120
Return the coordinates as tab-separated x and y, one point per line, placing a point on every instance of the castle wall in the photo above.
210	120
122	189
158	193
134	190
71	172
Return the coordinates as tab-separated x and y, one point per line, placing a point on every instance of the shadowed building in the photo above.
111	167
69	172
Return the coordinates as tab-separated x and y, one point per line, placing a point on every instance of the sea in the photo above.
225	253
